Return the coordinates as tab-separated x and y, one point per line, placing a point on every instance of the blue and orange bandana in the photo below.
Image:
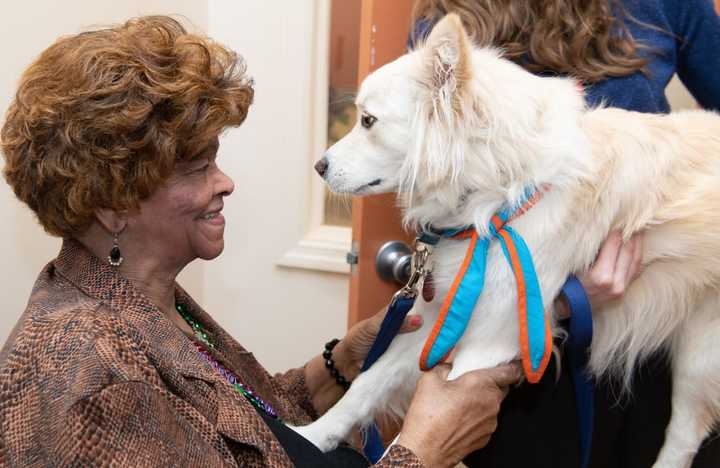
458	306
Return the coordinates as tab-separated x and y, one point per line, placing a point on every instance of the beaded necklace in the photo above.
227	374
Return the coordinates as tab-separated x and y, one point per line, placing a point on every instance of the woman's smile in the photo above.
214	218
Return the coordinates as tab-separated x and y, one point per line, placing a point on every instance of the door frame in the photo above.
323	247
384	29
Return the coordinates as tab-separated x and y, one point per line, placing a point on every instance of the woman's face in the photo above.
182	220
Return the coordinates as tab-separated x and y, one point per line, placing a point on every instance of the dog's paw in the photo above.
322	439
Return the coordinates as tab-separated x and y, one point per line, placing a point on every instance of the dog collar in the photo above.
457	308
432	236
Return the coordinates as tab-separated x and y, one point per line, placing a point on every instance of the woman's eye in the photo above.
368	120
202	168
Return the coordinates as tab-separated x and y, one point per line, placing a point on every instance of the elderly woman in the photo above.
112	141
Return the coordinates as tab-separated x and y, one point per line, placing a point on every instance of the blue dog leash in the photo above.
396	313
578	346
400	305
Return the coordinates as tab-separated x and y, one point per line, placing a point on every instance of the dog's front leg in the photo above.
491	337
471	355
387	386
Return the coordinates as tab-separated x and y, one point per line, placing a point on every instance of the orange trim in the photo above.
464	234
448	301
521	303
527	205
532	376
547	352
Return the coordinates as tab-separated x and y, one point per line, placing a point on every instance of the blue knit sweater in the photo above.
688	44
681	36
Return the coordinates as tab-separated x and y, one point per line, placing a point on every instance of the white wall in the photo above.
283	315
678	95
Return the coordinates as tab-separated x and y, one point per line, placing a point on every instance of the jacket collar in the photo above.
99	280
171	350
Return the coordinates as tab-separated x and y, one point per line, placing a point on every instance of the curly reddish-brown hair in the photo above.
101	118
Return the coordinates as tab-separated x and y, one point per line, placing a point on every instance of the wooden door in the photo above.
384	29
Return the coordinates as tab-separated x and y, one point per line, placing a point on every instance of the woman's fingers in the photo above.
506	374
622	275
499	378
442	370
629	269
617	265
602	272
636	265
411	323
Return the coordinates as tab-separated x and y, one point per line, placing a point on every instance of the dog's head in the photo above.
450	117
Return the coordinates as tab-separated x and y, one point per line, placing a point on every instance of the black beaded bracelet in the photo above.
330	364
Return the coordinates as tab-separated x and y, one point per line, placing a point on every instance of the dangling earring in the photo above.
115	258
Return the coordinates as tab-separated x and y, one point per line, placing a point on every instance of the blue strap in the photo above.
396	313
432	236
373	447
397	310
578	346
429	237
460	310
537	332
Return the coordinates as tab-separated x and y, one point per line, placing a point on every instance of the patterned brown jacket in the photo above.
95	375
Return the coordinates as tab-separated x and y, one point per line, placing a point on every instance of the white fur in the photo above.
461	132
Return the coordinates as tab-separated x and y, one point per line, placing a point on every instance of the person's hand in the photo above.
348	357
352	350
447	420
617	265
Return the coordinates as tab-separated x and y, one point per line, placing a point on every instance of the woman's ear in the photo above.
113	221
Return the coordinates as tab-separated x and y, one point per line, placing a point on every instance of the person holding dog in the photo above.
624	53
112	142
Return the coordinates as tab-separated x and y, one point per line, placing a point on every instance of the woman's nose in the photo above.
225	186
321	166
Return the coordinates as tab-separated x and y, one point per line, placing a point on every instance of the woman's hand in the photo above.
352	350
348	357
617	265
447	420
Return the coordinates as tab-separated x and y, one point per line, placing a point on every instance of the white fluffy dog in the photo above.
461	133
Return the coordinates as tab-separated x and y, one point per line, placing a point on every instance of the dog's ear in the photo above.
446	76
449	58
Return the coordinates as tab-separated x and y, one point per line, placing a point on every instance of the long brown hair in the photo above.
582	38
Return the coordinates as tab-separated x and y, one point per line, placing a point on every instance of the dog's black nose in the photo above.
321	167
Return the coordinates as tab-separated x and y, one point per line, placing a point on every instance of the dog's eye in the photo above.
368	120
